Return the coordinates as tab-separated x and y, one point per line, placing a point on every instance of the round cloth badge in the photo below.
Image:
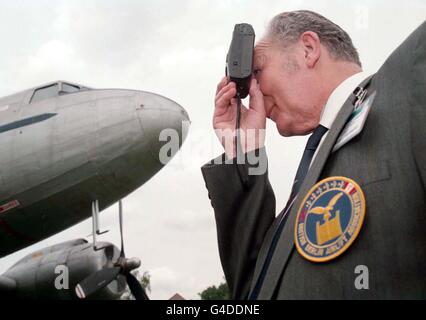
329	219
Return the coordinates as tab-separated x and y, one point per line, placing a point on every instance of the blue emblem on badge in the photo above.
329	219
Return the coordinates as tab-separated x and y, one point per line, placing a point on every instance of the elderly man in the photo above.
354	225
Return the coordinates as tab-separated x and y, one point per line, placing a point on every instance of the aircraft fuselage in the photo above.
59	154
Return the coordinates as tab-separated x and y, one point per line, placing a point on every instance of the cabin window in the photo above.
45	93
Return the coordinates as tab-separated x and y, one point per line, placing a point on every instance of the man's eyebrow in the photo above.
259	58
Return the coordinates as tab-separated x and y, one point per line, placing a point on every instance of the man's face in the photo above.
288	86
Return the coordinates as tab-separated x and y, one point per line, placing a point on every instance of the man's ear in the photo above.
312	48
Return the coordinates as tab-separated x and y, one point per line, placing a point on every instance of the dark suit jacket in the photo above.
387	159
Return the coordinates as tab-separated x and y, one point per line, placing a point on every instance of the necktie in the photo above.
302	170
308	154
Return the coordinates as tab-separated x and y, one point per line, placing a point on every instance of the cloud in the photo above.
165	282
50	56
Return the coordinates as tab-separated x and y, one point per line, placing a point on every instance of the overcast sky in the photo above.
177	49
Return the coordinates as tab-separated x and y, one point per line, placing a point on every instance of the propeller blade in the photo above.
96	281
136	288
120	215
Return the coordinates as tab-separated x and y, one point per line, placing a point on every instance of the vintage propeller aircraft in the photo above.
66	152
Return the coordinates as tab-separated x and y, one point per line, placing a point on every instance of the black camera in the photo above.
239	61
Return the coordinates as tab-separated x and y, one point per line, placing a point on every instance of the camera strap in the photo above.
241	157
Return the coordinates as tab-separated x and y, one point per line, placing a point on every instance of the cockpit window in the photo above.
67	88
54	90
45	93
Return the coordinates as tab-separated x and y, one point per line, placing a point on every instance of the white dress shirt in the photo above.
335	102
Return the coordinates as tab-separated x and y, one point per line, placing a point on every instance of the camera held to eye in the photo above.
239	61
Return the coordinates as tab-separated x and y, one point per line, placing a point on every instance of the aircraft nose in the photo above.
163	121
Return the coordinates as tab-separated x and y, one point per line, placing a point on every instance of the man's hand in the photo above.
253	118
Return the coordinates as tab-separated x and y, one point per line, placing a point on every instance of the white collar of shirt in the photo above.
335	103
338	98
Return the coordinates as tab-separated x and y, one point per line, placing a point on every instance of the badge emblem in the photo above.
329	219
355	122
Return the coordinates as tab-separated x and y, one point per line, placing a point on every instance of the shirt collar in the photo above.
338	98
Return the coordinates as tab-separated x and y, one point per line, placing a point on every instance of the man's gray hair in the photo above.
288	26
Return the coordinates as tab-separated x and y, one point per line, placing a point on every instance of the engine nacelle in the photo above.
53	272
